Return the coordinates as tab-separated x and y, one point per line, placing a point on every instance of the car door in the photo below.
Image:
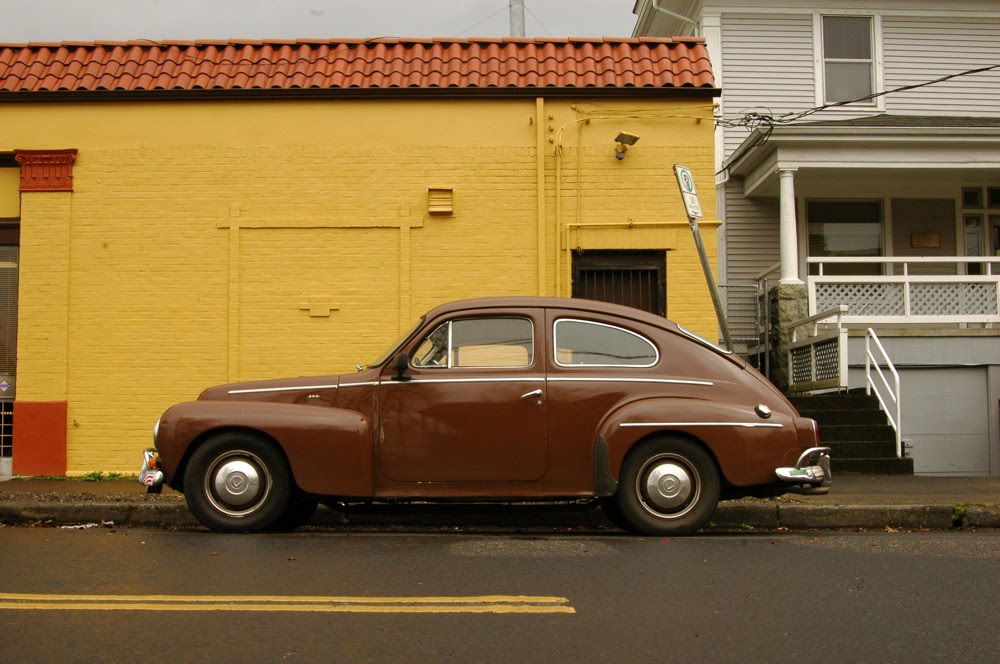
471	405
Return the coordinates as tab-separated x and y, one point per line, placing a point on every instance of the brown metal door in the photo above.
632	278
475	413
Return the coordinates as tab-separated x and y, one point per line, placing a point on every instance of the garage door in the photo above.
946	417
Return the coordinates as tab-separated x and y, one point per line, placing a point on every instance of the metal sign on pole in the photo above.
689	194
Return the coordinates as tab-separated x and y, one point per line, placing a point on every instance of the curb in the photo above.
738	516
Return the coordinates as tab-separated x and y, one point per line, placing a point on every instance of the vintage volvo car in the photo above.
498	399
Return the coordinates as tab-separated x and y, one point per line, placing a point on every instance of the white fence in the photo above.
897	296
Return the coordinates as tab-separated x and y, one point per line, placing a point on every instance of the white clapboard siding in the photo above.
767	63
751	234
919	49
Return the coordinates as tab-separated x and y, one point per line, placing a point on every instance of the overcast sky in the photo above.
90	20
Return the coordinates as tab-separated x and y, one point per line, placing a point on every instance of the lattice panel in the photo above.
827	360
802	365
883	299
817	362
953	299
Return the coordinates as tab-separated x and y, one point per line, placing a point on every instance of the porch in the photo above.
925	345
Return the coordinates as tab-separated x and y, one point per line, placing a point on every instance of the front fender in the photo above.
329	449
746	446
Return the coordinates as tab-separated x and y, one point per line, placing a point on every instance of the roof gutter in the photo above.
219	94
673	14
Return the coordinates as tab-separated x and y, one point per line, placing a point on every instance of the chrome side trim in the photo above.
610	379
466	380
367	383
745	425
261	390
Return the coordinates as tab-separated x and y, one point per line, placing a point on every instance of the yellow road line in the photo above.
286	603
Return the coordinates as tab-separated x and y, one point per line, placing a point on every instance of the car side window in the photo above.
580	343
478	343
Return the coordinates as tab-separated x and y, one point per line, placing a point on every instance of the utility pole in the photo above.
516	18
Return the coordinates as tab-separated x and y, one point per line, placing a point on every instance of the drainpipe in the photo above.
540	122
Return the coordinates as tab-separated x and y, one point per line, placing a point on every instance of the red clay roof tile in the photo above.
251	64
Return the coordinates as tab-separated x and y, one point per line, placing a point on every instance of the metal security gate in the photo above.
632	278
8	349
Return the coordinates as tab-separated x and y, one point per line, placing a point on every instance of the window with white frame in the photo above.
846	228
848	58
981	218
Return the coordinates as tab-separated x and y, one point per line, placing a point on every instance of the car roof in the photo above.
572	304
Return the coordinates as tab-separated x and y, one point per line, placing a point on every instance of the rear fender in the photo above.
329	450
746	446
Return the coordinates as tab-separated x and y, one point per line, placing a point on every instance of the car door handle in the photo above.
531	394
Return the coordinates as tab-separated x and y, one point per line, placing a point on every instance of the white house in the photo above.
858	164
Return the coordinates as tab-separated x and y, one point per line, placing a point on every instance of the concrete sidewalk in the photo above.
855	501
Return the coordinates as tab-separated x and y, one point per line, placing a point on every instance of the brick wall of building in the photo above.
206	242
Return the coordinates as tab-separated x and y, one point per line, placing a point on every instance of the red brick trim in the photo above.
46	170
40	437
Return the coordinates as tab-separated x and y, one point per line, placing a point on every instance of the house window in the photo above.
848	63
846	228
981	217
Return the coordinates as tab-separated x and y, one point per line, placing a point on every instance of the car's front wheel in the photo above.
237	482
669	486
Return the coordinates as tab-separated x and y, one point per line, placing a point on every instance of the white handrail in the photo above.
893	390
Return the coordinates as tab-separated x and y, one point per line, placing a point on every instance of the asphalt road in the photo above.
152	595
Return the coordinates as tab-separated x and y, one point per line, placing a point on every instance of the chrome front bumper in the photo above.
150	475
811	474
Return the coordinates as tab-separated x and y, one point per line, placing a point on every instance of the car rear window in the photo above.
581	343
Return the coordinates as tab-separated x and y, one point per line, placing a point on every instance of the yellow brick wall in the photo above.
210	242
10	202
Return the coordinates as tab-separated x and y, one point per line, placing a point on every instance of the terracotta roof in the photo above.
356	65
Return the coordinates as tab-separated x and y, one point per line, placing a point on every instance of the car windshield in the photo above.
399	342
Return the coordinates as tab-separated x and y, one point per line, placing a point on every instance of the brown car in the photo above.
499	399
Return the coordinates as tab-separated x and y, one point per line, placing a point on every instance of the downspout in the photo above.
558	224
540	191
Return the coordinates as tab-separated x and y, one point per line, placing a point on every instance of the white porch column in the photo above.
789	239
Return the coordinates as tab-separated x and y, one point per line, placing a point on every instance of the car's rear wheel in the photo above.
669	486
237	482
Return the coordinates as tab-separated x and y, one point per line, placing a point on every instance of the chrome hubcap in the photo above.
238	483
668	487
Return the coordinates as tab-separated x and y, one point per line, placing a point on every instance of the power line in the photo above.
538	20
755	119
499	11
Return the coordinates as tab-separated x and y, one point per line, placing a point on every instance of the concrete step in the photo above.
834	401
866	449
845	416
854	433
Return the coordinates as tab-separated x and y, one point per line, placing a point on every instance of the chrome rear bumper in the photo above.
811	474
149	474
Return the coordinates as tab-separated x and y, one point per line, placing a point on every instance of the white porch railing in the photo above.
909	298
890	402
818	361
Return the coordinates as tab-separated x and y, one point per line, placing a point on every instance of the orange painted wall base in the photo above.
40	437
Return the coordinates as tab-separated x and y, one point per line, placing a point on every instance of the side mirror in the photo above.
400	363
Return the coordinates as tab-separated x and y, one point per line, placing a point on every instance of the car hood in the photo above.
264	387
